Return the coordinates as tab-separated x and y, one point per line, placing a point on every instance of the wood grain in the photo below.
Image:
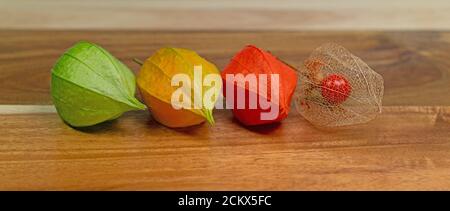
407	147
226	15
415	65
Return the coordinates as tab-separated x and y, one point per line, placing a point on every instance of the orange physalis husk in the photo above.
253	60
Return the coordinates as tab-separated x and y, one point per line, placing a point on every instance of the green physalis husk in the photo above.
90	86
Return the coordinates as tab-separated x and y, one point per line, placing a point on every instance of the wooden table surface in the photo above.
406	147
226	14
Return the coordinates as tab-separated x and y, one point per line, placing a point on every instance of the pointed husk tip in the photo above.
209	116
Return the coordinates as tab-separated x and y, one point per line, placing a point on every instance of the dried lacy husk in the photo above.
362	104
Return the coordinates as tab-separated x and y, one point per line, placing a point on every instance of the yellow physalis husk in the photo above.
157	72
